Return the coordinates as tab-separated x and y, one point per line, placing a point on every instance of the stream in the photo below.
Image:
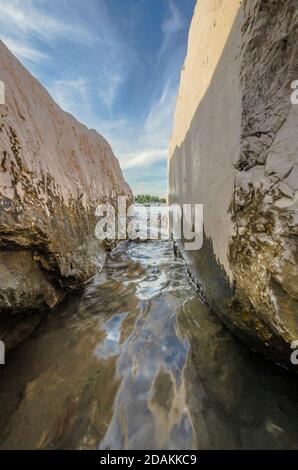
137	361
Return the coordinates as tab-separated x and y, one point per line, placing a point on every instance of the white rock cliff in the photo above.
53	173
234	148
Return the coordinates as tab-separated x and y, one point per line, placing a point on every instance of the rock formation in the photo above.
234	148
53	173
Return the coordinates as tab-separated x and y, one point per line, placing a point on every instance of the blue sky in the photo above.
114	64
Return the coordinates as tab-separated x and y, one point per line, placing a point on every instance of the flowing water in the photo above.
138	362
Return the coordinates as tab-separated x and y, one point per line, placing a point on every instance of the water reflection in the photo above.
138	361
110	346
153	358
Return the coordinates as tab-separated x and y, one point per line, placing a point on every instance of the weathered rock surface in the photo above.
53	173
235	149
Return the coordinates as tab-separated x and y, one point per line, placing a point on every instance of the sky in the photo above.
114	64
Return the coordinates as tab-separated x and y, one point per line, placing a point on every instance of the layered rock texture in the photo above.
53	173
235	149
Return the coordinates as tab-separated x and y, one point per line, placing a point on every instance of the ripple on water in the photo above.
138	361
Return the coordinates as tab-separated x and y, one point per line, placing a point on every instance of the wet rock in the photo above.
54	171
235	142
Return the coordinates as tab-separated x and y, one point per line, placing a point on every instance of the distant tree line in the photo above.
148	199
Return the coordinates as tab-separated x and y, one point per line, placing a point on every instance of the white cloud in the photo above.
90	93
72	96
172	25
110	84
142	143
137	144
141	159
24	22
158	125
22	51
175	22
25	18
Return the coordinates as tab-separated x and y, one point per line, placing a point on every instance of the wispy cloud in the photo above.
139	144
25	17
173	24
27	28
117	58
73	96
142	143
99	64
142	159
24	52
158	124
110	81
30	28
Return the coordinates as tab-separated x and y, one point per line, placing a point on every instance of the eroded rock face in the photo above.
235	149
53	173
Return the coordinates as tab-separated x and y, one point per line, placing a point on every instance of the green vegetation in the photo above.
147	199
